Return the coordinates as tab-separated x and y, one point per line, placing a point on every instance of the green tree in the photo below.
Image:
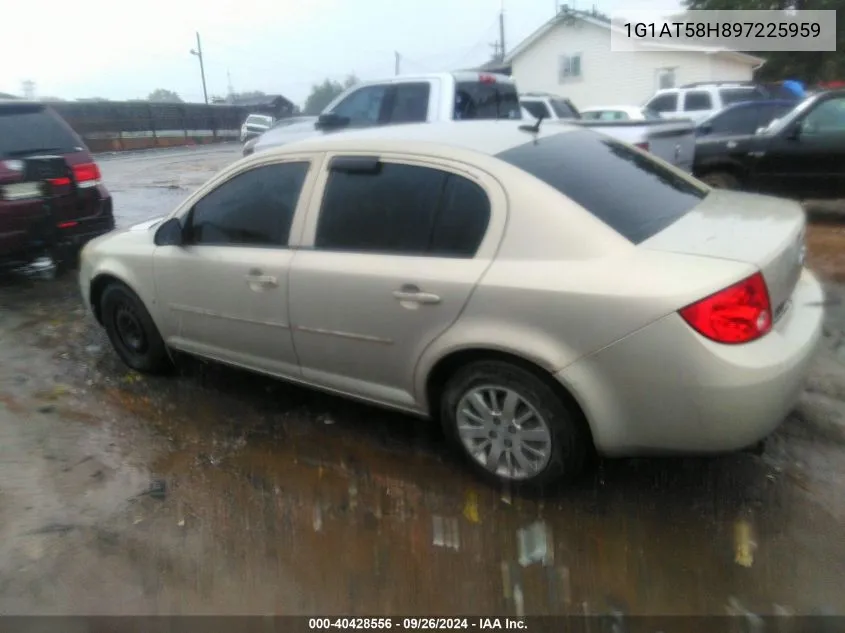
160	95
323	94
810	67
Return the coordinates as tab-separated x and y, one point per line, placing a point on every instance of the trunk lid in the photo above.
759	230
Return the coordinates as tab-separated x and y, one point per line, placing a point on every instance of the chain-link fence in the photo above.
124	125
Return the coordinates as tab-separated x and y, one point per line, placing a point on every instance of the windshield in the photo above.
256	119
645	198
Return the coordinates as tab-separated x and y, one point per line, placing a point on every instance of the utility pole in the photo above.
502	31
397	63
198	53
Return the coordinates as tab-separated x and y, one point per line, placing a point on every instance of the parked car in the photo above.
741	119
407	99
673	141
799	155
51	198
542	292
619	113
255	125
697	101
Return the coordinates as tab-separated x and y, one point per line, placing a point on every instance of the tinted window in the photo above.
403	210
461	220
363	105
769	112
645	197
537	109
25	129
664	103
410	103
477	100
741	120
694	101
564	110
828	116
254	208
737	95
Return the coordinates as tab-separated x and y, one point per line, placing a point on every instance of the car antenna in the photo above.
533	128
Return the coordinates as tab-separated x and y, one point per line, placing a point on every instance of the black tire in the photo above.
131	330
721	180
571	445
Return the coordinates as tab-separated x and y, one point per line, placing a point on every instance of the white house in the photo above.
570	56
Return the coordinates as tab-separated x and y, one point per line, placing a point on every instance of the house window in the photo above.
665	78
570	67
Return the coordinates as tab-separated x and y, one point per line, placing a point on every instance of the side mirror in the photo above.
171	233
705	128
330	121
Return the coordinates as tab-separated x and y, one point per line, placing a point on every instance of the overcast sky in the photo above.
121	50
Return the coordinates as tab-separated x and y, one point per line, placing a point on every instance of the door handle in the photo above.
414	294
257	278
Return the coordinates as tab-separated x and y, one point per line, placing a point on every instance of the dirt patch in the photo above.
826	250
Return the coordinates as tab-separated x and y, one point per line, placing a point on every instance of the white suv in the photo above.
699	100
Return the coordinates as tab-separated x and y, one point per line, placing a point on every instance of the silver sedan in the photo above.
543	294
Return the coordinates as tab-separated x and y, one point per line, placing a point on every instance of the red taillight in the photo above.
737	314
86	174
67	225
643	146
60	182
487	79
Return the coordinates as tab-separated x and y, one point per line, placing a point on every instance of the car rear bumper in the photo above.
61	242
666	389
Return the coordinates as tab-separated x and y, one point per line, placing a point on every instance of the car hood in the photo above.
287	134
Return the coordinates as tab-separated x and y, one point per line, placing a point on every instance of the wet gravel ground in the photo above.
218	491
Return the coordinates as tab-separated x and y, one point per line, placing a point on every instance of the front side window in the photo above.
664	103
697	101
645	198
255	208
402	210
362	106
738	121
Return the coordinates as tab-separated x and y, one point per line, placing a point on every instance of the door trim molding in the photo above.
218	315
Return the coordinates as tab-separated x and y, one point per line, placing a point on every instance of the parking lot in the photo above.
219	491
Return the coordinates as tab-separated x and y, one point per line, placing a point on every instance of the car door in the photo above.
223	292
806	159
397	246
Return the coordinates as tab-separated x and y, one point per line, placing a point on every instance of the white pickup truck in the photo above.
460	96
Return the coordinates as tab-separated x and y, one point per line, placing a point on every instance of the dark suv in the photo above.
51	197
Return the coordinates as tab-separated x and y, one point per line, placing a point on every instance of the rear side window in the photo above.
696	101
26	129
537	109
664	103
402	210
254	208
482	100
738	95
409	103
564	110
645	198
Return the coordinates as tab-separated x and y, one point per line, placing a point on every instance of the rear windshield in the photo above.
25	130
633	194
477	100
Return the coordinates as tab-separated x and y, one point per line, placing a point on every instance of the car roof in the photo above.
484	137
624	108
